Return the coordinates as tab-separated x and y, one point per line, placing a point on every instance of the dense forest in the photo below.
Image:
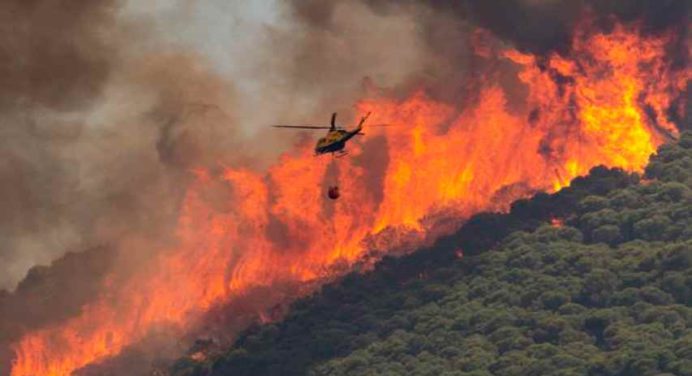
593	280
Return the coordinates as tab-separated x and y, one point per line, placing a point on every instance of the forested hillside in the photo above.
593	280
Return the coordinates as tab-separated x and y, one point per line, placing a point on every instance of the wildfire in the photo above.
604	104
557	222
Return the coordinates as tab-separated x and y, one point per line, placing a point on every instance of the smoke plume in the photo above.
104	112
53	69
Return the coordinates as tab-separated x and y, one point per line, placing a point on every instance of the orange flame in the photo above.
557	222
277	227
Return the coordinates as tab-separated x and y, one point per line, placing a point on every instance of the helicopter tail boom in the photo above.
362	121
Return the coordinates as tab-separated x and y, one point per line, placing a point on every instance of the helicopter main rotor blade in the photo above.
301	126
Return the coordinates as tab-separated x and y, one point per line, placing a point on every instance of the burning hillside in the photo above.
611	99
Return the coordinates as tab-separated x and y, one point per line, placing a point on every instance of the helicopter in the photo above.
335	140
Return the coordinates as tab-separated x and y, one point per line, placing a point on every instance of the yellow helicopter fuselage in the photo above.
335	140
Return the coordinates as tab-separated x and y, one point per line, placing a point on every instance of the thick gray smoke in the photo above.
91	131
537	26
53	69
106	105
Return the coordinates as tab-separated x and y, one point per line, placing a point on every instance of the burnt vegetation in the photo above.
593	280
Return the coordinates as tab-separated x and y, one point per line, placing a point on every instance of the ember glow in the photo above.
604	104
